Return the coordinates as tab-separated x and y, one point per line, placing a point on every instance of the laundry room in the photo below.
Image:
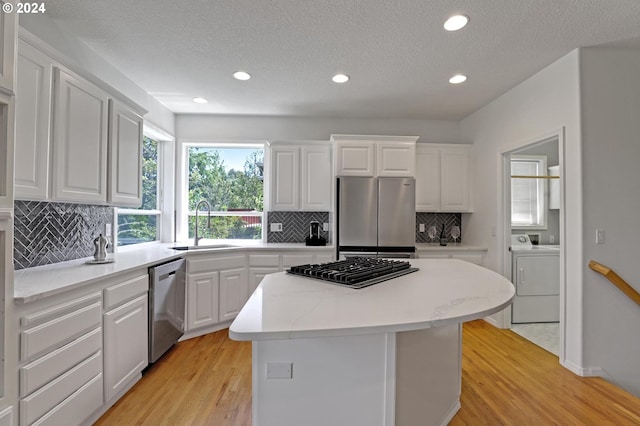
535	243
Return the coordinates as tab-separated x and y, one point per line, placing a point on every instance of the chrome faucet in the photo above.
197	237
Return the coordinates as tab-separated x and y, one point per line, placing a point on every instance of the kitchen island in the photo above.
389	354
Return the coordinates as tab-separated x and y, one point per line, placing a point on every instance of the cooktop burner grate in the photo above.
355	272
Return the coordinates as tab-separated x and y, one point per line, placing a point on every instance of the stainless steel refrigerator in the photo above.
376	217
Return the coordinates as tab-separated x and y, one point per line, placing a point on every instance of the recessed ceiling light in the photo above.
456	22
340	78
200	100
457	79
241	75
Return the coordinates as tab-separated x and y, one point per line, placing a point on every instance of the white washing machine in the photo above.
535	272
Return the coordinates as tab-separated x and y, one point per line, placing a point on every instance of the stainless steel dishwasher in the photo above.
166	306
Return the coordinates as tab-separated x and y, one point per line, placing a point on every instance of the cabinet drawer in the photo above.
60	330
84	402
50	366
124	291
264	260
47	398
215	263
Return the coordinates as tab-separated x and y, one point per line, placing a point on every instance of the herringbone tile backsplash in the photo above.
47	233
295	226
437	219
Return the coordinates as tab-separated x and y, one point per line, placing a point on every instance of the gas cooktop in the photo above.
355	272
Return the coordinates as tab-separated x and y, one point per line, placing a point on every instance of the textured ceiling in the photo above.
396	51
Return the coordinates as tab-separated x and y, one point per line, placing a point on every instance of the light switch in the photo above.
422	227
600	236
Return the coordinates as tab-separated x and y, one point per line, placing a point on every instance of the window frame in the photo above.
182	197
164	199
542	191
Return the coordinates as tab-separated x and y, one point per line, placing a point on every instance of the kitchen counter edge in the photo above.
31	284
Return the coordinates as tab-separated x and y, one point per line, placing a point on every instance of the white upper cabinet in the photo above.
300	177
74	142
316	178
396	159
79	145
33	121
370	156
8	25
454	184
125	156
427	179
285	164
443	178
355	158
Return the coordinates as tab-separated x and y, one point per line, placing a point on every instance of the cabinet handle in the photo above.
522	275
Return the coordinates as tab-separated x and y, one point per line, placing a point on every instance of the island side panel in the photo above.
428	375
335	381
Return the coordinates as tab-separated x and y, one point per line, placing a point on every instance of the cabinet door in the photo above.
33	121
126	350
317	180
234	292
396	159
125	156
355	158
7	121
257	274
79	140
454	175
427	179
202	299
8	25
285	190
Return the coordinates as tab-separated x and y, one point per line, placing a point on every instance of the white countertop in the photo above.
42	281
442	292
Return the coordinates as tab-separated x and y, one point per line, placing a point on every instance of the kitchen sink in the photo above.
204	247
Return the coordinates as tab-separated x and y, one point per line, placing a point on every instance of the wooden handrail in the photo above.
616	280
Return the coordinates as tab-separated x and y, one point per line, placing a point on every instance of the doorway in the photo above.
536	212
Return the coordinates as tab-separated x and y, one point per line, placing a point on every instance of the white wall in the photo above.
531	111
610	94
212	127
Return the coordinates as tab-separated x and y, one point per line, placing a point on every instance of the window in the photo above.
230	179
528	206
143	224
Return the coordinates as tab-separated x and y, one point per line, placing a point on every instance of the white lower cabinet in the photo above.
202	299
234	292
217	288
60	375
476	256
257	274
81	349
126	350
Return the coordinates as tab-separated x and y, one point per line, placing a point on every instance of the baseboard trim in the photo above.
206	330
582	371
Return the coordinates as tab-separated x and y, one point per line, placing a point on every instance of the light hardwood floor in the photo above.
506	380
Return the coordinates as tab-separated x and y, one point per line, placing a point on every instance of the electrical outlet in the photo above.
422	227
325	227
107	230
276	227
552	239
